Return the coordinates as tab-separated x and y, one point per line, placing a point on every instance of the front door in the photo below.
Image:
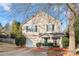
45	41
55	42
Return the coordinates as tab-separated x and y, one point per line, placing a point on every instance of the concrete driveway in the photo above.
23	52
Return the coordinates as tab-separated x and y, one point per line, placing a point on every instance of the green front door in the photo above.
45	41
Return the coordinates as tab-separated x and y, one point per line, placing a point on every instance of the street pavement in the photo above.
23	52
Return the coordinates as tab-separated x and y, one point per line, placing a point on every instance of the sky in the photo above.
24	11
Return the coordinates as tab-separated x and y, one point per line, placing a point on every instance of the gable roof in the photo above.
42	13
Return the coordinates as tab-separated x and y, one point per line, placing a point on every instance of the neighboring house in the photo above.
41	28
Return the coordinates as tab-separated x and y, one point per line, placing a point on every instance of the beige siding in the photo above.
41	20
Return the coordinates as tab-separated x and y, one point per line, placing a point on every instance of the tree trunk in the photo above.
71	34
72	18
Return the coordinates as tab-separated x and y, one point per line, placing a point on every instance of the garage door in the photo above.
29	43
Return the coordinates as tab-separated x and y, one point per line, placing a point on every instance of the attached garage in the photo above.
29	43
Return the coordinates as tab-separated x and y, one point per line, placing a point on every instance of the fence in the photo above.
7	40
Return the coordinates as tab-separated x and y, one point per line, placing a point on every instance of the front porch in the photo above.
54	38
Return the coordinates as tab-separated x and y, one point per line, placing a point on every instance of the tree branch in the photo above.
72	9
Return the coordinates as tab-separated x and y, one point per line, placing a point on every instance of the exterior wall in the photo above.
41	20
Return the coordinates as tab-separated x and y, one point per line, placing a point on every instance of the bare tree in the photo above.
71	8
72	17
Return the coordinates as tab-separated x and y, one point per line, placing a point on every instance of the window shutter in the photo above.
35	28
52	27
47	27
26	28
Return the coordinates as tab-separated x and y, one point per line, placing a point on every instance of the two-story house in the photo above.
42	27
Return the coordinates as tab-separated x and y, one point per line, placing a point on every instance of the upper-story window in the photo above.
31	28
50	27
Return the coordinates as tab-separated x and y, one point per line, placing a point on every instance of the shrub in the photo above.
45	44
17	40
56	46
38	44
65	42
50	45
20	41
23	41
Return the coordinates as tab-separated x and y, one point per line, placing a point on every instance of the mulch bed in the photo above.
38	49
56	49
52	51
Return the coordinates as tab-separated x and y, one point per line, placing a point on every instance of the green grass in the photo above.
55	52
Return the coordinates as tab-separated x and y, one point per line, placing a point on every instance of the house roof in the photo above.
42	13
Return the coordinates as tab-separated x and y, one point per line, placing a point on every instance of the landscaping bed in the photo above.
38	49
56	51
52	51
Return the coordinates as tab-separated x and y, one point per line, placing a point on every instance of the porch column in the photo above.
51	39
61	46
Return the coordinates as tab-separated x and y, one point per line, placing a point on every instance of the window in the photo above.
50	27
31	28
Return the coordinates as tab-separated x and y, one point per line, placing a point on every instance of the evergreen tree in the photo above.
16	33
15	28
